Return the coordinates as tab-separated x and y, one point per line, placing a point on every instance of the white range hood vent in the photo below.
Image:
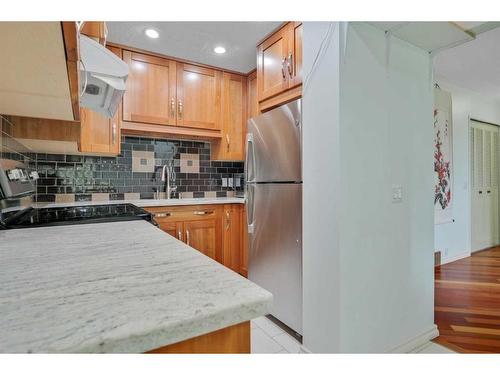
103	77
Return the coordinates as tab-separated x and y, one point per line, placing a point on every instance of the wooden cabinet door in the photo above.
175	229
231	146
252	102
204	235
198	97
150	96
232	237
99	134
294	58
271	60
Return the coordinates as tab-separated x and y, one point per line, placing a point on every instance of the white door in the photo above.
484	144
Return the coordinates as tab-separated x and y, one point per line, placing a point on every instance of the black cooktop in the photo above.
39	217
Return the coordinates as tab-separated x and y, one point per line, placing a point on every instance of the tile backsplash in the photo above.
135	173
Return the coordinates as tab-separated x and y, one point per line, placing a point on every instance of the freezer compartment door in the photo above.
275	247
274	145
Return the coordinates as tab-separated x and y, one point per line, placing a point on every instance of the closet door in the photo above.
484	177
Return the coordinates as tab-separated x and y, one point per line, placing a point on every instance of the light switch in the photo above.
224	182
230	182
397	194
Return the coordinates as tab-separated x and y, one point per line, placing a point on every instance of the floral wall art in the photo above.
443	187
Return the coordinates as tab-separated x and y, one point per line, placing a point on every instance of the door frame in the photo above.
470	177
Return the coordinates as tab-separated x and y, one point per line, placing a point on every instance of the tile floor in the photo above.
267	337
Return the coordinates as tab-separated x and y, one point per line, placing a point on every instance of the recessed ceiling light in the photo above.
219	50
152	33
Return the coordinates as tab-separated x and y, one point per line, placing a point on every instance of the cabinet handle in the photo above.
113	133
187	236
179	109
172	107
179	235
283	68
162	214
228	220
290	64
228	141
489	191
202	212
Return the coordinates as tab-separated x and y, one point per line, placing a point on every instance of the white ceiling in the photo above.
195	41
474	65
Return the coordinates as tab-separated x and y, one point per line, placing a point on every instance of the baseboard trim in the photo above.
445	260
417	342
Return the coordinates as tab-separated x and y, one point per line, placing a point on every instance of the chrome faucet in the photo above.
168	176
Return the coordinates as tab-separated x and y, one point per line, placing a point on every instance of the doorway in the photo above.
484	138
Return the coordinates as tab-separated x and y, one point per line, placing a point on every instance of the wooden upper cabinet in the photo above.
271	60
279	66
99	134
150	96
198	97
231	146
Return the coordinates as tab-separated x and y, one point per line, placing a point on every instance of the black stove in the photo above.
88	214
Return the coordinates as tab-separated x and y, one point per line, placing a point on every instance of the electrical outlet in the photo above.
230	182
224	182
397	194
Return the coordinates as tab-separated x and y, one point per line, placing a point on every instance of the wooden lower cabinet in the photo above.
215	230
205	236
230	340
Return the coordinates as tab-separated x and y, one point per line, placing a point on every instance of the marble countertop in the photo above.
113	287
139	202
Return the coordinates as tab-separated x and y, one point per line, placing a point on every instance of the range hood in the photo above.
103	77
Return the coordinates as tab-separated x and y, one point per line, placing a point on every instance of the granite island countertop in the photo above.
113	287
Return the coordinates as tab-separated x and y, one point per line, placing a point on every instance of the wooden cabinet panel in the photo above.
271	59
231	146
198	97
232	237
96	30
150	96
294	58
252	102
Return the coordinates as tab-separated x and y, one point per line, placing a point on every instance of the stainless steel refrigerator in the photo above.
273	173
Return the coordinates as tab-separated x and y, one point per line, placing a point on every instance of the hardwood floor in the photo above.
467	303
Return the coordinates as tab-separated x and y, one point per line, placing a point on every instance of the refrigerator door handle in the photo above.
250	220
250	168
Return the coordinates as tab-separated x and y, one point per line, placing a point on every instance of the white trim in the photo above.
453	258
417	342
410	346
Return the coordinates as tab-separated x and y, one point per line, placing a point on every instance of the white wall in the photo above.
321	190
374	276
454	239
